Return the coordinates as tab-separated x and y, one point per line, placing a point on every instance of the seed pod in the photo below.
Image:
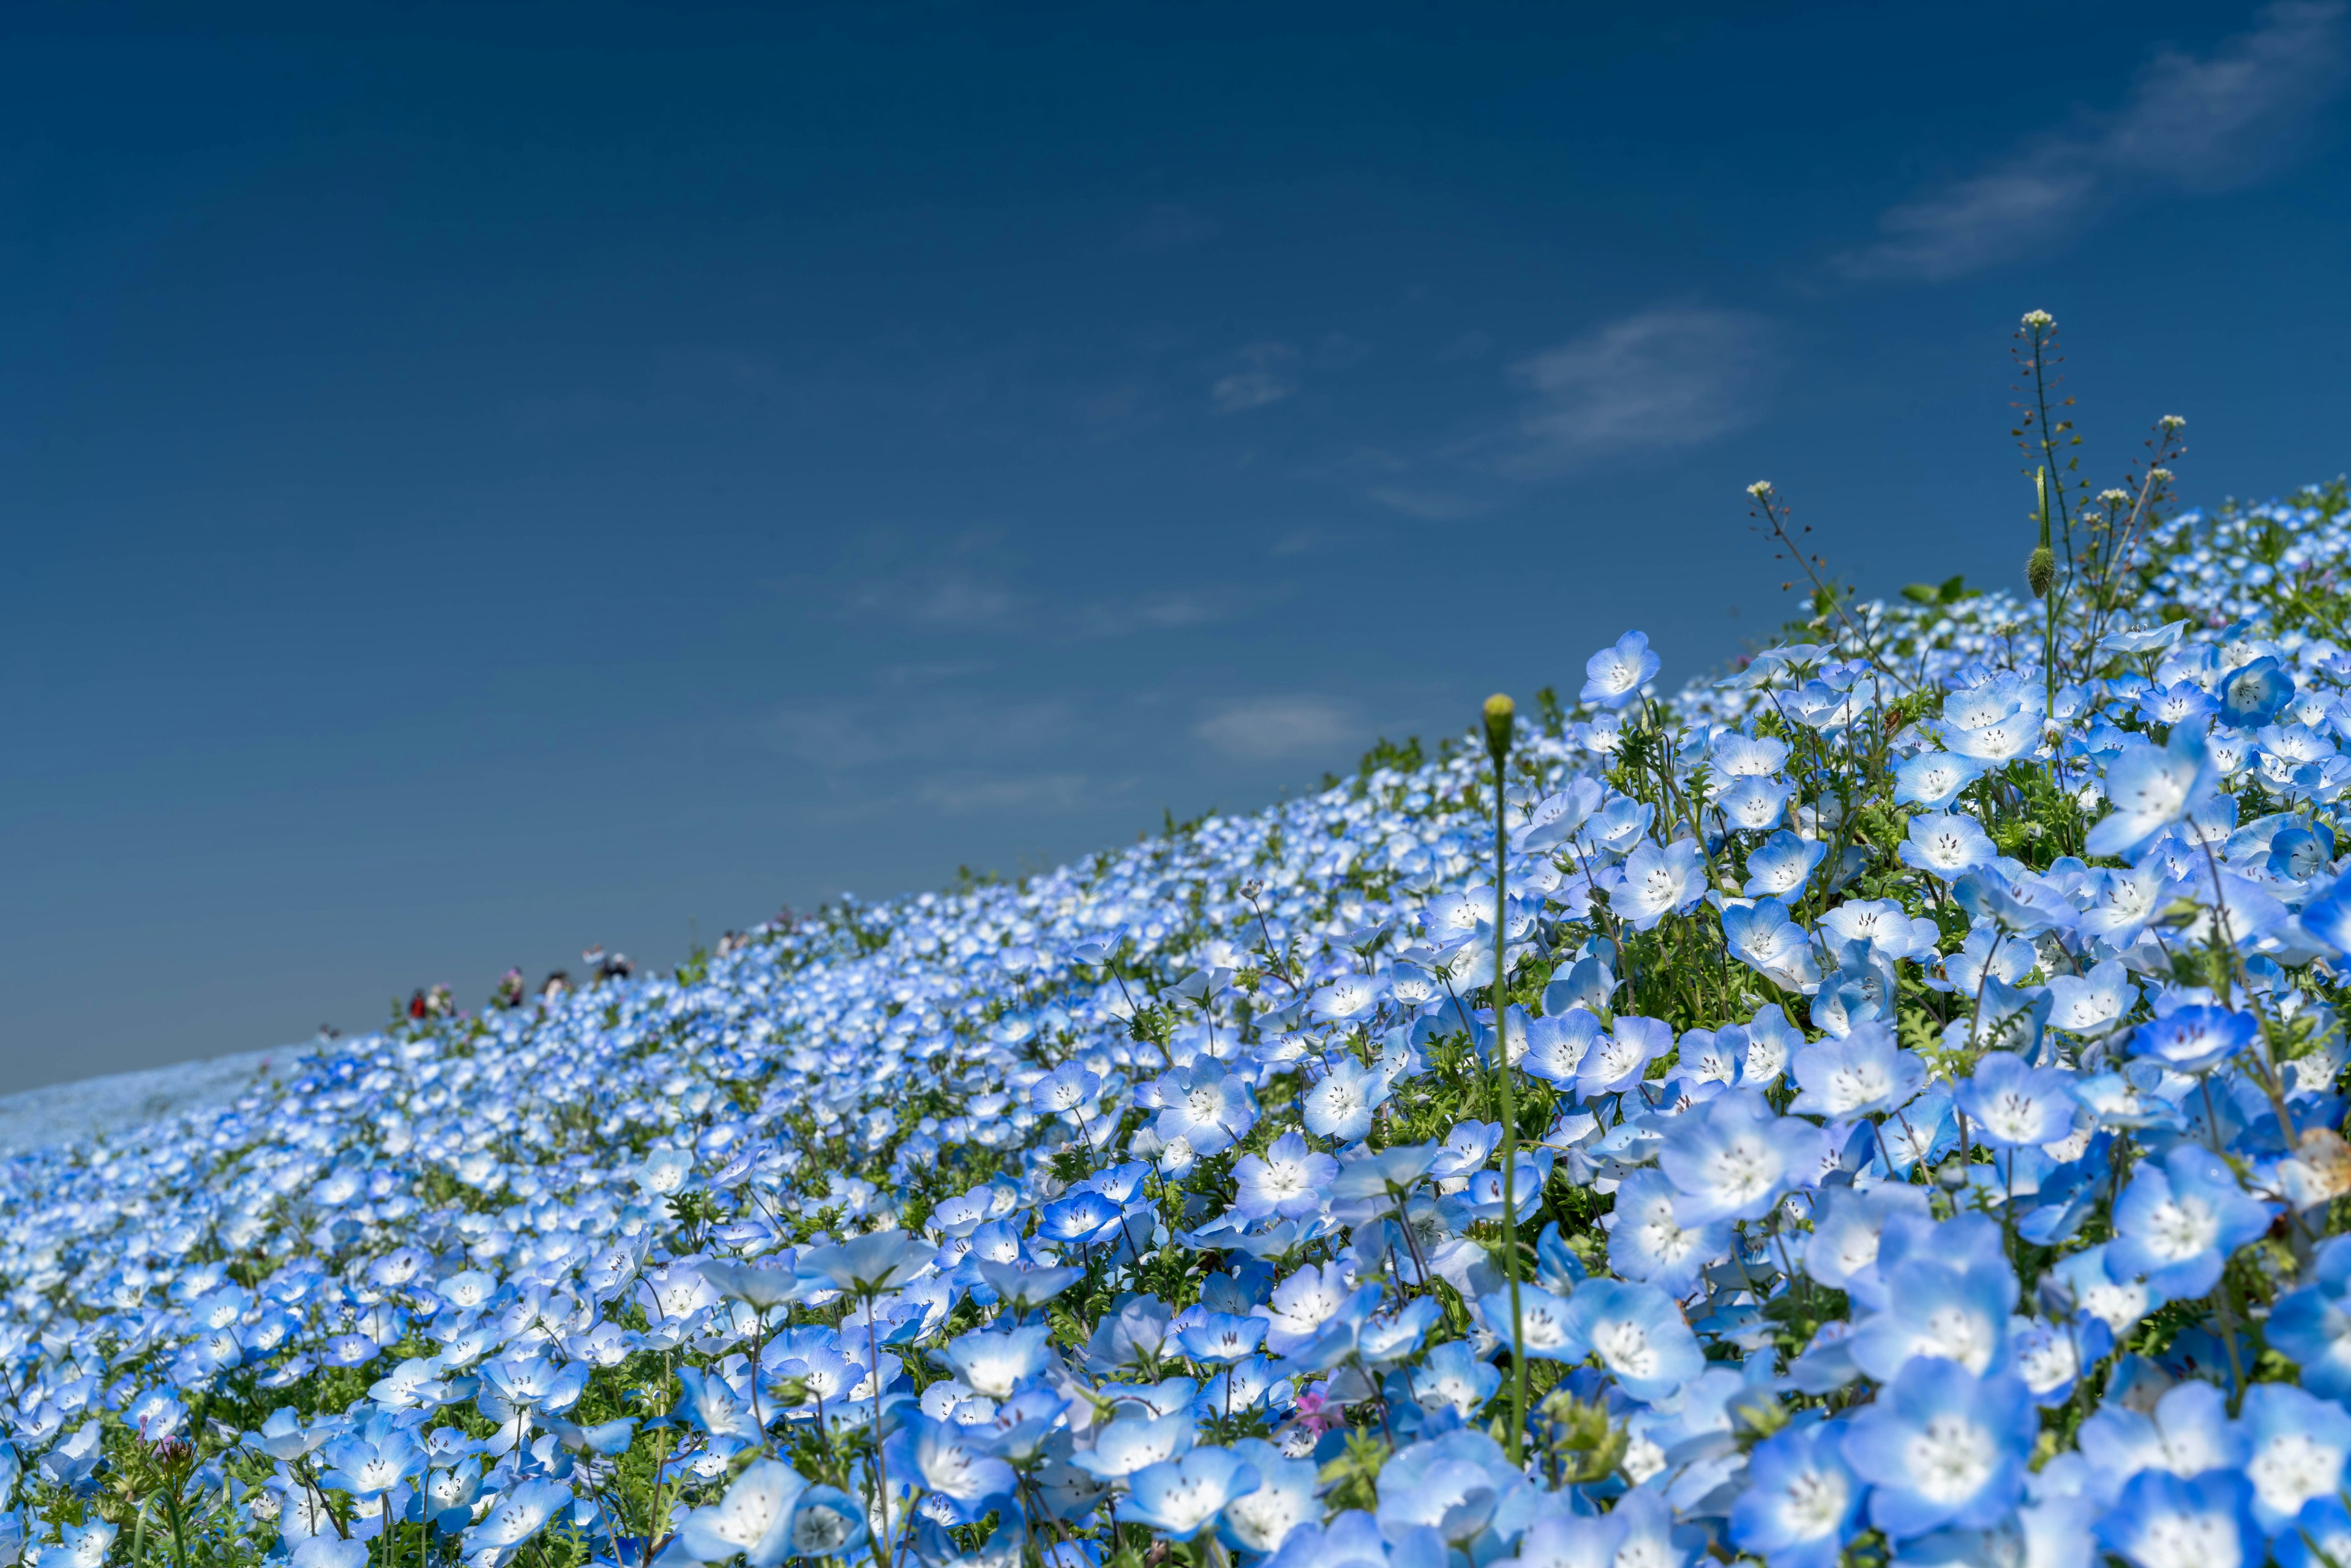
2041	572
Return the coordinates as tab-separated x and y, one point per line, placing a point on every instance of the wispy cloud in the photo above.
971	796
2193	124
1428	506
1653	380
1264	728
1167	610
1266	376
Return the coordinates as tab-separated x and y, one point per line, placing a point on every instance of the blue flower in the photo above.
1180	1498
1762	937
1947	845
1938	1307
1285	1499
2251	695
1933	778
1732	1158
1452	1378
1864	1073
2176	1223
1342	1100
2152	788
1655	881
1782	864
1069	1087
1555	1046
1800	1500
2194	1039
1207	1107
1614	675
1638	1333
2297	1447
2312	1323
2163	1521
1649	1243
1291	1179
2011	1103
953	1462
1942	1447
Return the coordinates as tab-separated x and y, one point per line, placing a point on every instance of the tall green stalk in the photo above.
1501	715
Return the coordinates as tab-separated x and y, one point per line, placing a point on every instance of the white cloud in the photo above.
1649	381
1428	506
2195	124
1262	728
1266	378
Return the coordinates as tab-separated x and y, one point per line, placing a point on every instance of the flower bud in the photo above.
1500	714
2041	572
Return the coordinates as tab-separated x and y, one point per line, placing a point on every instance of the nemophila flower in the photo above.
1647	1243
2177	1222
1938	1308
2090	1004
2251	695
755	1519
1947	845
2194	1039
2321	1537
1754	805
1762	937
1209	1108
2081	1283
1555	1046
1801	1499
2312	1323
1863	1072
2182	702
1933	778
1732	1158
2010	1104
1451	1377
953	1462
1782	864
1883	925
526	1510
1348	998
1071	1086
1638	1333
2163	1521
1656	881
2296	1449
1135	1443
1284	1500
995	1363
1620	1059
1291	1179
2152	788
1343	1100
2052	1356
1614	675
1543	1323
1941	1447
1180	1498
1450	1484
827	1523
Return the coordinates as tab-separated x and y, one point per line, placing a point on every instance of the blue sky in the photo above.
484	480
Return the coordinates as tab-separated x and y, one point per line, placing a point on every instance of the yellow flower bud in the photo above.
1500	713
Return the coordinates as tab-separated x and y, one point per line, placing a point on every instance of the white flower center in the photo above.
1950	1459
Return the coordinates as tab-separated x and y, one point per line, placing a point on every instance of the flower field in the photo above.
1911	1131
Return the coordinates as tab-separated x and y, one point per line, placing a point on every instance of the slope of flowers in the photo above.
1927	1087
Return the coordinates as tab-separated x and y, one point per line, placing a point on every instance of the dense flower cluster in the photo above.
1927	1087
